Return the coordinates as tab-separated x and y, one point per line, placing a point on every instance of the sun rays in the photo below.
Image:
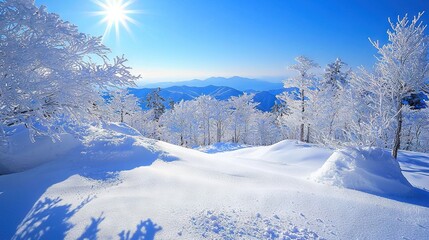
116	14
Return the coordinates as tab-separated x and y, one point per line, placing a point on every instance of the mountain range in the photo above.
239	83
266	99
217	87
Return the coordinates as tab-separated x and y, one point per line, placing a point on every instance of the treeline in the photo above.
202	121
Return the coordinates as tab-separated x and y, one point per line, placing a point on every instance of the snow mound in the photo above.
371	170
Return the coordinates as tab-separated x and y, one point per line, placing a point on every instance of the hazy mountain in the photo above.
266	99
239	83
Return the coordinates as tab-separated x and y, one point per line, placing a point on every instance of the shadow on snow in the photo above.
49	220
21	192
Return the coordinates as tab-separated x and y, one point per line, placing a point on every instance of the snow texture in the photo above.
371	170
217	225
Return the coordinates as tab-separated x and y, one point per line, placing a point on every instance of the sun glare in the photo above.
116	14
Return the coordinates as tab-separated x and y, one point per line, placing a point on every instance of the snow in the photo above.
221	147
118	184
20	154
371	170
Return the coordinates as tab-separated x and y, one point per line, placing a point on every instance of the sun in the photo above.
116	14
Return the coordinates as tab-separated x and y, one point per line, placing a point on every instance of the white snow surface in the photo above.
371	170
119	185
221	147
20	153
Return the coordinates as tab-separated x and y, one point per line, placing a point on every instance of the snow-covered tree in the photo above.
371	106
180	125
403	66
299	103
48	79
204	120
123	106
332	104
145	123
155	101
204	111
416	129
265	128
242	109
221	111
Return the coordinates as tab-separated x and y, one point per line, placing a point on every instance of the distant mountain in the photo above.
239	83
266	99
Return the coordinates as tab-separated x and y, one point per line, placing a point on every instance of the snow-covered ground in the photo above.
119	185
221	147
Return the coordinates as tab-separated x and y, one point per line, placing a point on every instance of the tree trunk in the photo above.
208	131
397	142
122	115
235	134
218	132
308	133
301	137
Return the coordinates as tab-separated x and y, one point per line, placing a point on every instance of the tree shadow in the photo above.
21	192
48	220
145	230
414	162
92	229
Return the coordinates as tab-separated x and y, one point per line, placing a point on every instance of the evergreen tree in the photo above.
155	101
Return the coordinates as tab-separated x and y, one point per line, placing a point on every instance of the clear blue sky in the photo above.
186	39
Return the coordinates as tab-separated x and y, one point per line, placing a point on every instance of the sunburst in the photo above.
116	14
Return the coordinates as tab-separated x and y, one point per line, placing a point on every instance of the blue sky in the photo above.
186	39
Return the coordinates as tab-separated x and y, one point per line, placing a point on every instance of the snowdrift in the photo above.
371	170
107	143
20	153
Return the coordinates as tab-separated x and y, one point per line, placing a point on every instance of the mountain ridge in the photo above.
236	82
266	99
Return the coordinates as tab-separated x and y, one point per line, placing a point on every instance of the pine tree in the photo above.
155	101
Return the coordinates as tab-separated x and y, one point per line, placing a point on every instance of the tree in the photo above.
155	101
371	110
403	66
305	81
179	125
123	106
266	130
220	113
242	109
48	80
333	103
204	110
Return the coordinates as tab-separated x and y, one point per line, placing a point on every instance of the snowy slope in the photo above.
119	185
